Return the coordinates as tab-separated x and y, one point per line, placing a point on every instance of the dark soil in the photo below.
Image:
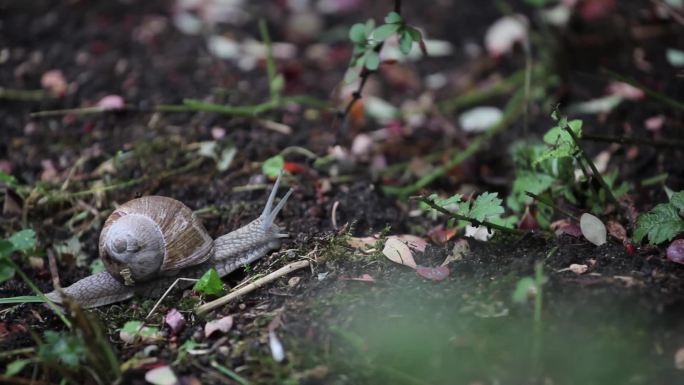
618	323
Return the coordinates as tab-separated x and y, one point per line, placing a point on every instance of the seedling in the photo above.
663	222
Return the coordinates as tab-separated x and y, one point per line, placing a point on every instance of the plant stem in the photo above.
670	143
511	112
537	323
365	73
270	64
39	293
550	204
460	217
21	95
599	177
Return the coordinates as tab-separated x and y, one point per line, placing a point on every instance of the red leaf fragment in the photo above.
565	226
630	249
528	221
439	273
294	168
440	235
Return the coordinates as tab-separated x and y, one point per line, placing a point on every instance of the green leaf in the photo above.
384	31
486	205
23	240
6	270
369	27
523	289
97	266
531	181
357	33
393	17
21	299
414	33
677	200
405	43
660	224
6	248
9	180
136	328
351	75
62	347
273	165
210	283
15	367
372	60
561	141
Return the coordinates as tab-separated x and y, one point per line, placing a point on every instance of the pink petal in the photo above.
175	320
111	102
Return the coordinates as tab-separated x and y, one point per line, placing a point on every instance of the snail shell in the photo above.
152	236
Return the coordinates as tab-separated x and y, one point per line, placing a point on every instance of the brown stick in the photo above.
253	286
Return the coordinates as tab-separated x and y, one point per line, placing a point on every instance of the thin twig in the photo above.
670	143
599	177
167	293
472	221
551	204
253	286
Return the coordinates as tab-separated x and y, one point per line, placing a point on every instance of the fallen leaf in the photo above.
277	350
679	359
616	230
576	268
362	278
461	248
413	241
479	119
162	375
502	36
675	252
440	235
566	226
54	82
175	320
111	102
433	273
222	325
363	243
398	251
528	221
593	229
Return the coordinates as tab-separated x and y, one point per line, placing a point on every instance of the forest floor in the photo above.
353	316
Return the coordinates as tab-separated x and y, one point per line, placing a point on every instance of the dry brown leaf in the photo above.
398	251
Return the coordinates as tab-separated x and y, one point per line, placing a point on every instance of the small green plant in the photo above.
485	210
663	222
547	172
62	348
368	42
209	284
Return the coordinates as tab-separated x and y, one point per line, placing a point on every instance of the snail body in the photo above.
149	242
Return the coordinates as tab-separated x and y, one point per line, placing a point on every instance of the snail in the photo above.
149	242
